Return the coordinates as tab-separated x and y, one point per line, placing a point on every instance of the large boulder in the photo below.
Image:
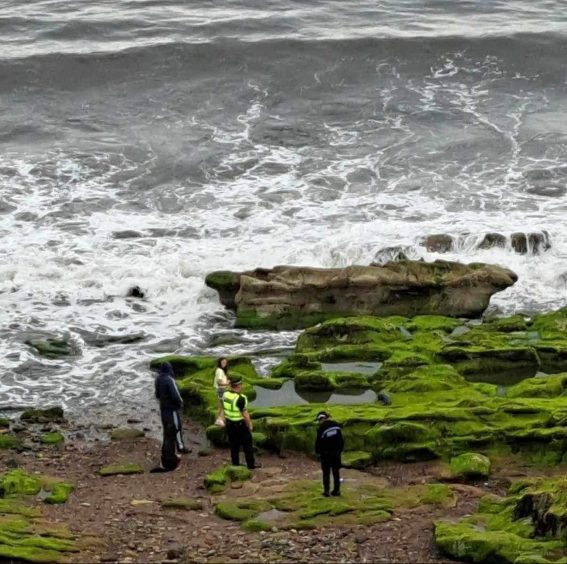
288	297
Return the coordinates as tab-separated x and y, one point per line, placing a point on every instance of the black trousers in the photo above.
331	462
172	438
240	436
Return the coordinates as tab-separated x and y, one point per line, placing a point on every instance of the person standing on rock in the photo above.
238	423
221	384
170	404
329	446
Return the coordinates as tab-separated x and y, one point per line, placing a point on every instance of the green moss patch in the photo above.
470	465
117	469
24	536
301	505
217	480
182	503
126	434
53	438
48	415
525	526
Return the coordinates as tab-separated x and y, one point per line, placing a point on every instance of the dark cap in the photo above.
235	380
322	415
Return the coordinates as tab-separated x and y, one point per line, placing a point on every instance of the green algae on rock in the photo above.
52	438
436	410
288	297
19	483
24	535
525	526
126	434
47	415
117	469
182	503
470	465
217	480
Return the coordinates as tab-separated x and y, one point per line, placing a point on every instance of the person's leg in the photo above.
326	469
234	442
336	467
169	460
179	441
247	446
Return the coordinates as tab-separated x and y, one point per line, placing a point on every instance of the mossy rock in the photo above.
470	465
217	435
19	483
48	415
525	526
270	383
126	434
60	493
121	469
217	480
52	348
357	459
53	438
183	503
241	510
9	442
4	423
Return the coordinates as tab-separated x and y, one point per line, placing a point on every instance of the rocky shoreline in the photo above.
464	463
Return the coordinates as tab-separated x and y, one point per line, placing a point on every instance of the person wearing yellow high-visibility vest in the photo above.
238	423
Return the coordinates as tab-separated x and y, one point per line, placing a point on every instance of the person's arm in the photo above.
241	404
341	441
175	395
318	442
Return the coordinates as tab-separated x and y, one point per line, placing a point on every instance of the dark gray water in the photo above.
148	143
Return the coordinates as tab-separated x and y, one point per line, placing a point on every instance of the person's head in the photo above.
166	369
235	383
222	362
322	416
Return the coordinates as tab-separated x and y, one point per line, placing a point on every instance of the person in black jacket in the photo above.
329	446
170	404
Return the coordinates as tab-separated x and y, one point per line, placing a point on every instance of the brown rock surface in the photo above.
294	297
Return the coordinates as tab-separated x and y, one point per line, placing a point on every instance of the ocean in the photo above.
149	142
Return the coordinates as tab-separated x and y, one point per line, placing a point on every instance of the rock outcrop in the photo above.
288	297
522	243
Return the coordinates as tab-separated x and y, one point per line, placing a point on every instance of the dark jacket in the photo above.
329	438
166	389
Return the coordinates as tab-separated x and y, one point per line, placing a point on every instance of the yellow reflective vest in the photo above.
231	411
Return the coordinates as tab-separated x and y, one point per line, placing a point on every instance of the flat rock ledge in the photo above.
291	297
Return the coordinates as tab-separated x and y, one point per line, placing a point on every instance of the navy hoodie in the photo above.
166	389
329	438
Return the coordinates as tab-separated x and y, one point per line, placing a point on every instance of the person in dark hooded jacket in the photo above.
329	446
170	404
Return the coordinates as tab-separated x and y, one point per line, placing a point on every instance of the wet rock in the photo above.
492	240
52	347
50	414
388	254
288	297
135	292
97	339
127	234
438	243
532	243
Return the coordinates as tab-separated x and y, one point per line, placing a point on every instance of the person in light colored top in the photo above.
221	385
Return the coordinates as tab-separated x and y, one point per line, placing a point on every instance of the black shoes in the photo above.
336	494
326	494
257	465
